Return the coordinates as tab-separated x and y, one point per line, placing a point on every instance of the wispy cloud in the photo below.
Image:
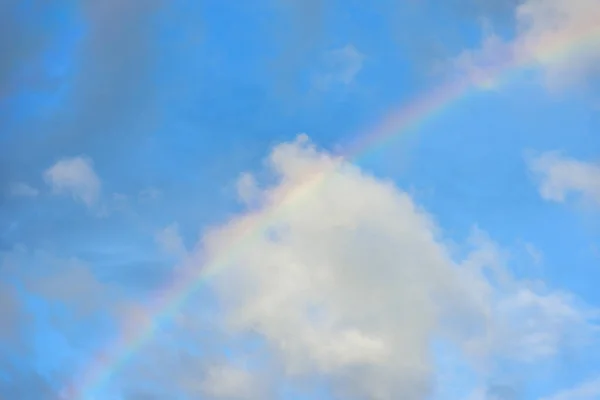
554	35
559	177
75	176
589	390
340	67
21	189
170	240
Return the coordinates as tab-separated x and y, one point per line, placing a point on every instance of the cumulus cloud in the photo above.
346	277
554	35
340	275
559	177
75	176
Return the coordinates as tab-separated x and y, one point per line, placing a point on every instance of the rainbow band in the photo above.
397	122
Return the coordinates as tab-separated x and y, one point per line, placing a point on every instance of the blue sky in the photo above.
458	260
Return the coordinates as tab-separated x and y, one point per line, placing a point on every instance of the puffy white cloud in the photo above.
75	176
345	277
589	390
559	176
22	189
558	36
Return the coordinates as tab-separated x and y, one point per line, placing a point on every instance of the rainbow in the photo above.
422	109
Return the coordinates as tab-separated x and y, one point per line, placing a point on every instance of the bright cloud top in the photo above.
353	281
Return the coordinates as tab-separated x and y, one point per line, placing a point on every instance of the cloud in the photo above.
71	296
558	177
589	390
149	194
554	35
340	67
537	256
340	276
247	190
350	280
170	240
21	189
12	316
225	382
479	66
75	176
71	283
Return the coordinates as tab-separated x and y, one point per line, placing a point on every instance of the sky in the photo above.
299	199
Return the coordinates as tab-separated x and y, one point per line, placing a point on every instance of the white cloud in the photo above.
589	390
345	277
558	36
226	382
559	176
548	28
75	176
21	189
480	65
247	190
341	66
170	240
